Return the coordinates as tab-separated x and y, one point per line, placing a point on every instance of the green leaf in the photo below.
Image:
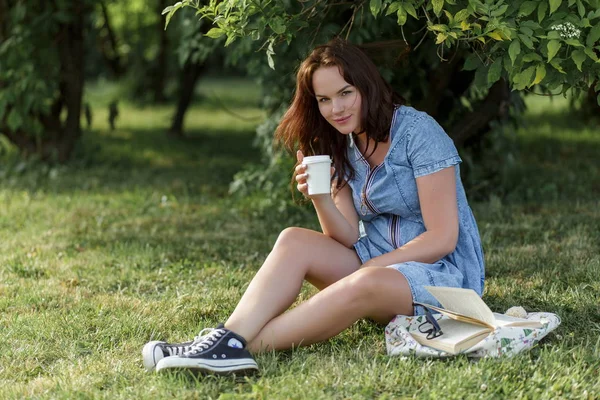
14	120
557	66
580	8
526	41
591	54
440	38
527	8
496	35
169	16
270	61
500	11
542	11
529	57
437	7
449	16
554	35
461	15
393	7
554	4
540	74
524	78
411	10
375	6
278	25
215	33
574	43
438	28
593	36
471	62
495	71
553	48
578	57
402	16
514	50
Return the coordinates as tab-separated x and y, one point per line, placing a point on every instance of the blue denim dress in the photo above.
387	203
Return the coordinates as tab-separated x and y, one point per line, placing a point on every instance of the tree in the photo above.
466	62
518	45
41	74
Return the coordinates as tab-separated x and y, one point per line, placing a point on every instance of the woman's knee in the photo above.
375	289
364	284
292	237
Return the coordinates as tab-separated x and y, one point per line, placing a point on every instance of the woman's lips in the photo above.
342	120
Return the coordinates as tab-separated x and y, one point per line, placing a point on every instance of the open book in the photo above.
469	320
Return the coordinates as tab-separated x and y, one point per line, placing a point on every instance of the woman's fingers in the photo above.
299	156
301	178
303	188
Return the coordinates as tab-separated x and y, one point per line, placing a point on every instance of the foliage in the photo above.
553	43
26	87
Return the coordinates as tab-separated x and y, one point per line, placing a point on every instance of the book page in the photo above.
457	336
507	320
463	301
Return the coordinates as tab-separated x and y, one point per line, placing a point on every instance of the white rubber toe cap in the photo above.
151	354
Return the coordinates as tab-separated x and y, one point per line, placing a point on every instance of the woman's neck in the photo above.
366	145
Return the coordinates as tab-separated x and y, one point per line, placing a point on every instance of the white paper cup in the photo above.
319	174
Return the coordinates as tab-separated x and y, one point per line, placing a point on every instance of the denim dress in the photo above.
386	200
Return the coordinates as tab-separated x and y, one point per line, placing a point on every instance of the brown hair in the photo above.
303	126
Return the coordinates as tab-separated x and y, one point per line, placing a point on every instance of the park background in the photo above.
149	224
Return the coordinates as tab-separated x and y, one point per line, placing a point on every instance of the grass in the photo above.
138	239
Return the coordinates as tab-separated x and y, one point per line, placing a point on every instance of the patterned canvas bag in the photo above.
504	341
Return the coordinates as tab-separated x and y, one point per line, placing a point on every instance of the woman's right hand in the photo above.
301	175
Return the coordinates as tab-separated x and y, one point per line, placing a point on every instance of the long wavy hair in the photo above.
303	127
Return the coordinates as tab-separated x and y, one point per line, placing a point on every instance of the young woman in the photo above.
396	174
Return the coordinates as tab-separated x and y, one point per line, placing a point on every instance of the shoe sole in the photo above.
246	366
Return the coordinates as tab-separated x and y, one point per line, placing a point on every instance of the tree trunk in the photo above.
439	81
58	140
187	84
161	58
494	105
71	55
590	106
108	45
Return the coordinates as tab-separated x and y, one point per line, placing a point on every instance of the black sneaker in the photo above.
220	352
156	350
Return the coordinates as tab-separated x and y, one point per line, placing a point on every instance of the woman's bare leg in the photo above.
376	292
298	254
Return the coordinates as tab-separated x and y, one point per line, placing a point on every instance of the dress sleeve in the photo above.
429	148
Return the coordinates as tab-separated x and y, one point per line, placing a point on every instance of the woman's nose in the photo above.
338	106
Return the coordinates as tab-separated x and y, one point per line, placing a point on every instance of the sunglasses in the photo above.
430	327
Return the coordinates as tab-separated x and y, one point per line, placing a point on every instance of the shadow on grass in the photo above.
144	159
556	158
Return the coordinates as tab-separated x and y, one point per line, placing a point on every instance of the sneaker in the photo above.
220	352
156	350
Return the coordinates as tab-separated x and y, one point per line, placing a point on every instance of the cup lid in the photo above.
316	159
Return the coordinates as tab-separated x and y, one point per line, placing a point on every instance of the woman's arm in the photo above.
337	215
336	212
439	207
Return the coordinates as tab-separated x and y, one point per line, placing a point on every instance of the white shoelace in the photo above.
175	350
206	341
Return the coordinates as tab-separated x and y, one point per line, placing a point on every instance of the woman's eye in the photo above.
346	92
323	100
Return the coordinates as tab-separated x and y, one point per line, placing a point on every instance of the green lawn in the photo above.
138	239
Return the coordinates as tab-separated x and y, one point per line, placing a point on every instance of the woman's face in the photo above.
339	102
